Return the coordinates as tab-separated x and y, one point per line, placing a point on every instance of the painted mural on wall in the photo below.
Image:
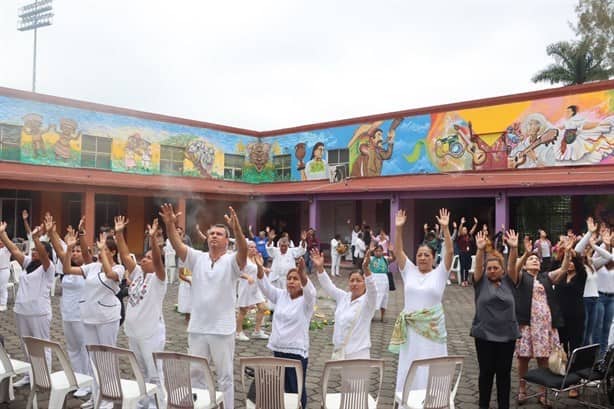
561	131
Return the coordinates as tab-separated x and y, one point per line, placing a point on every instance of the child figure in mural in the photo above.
372	153
32	124
146	158
316	167
68	132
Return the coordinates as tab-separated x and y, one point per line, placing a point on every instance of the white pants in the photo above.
100	334
74	334
4	280
33	326
220	349
143	349
335	262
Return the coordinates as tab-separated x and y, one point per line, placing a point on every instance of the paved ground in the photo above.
458	303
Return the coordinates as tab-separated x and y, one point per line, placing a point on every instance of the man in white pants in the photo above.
211	332
335	257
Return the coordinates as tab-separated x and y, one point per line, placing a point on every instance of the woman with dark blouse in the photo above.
494	327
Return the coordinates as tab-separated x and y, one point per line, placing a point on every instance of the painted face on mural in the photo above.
258	154
377	138
533	128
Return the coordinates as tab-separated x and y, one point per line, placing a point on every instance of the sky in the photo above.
265	64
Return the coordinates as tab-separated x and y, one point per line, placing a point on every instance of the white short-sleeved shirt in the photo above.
72	288
282	263
33	293
290	333
213	292
144	307
5	258
590	287
100	304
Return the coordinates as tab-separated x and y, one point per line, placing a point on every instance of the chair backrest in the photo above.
7	366
16	269
355	381
177	379
583	358
105	361
269	377
41	371
441	386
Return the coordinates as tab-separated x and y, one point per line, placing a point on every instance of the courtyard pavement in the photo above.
459	308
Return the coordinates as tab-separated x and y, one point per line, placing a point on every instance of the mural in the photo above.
570	130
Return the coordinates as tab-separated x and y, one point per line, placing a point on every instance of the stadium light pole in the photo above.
32	17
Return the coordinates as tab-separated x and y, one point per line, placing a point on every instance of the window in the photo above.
10	142
96	152
282	166
171	159
233	166
340	158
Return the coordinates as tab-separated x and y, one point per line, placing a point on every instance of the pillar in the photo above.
394	208
138	220
313	213
181	210
88	210
502	211
252	214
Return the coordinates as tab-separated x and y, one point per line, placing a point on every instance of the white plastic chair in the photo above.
472	269
59	383
10	368
355	382
269	377
16	269
456	268
111	387
178	383
440	388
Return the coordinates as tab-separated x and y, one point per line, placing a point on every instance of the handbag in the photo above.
391	285
557	361
339	353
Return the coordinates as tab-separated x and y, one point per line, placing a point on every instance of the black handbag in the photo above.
391	285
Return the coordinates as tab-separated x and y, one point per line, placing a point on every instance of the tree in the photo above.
575	63
596	24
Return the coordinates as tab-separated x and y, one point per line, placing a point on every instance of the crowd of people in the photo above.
518	311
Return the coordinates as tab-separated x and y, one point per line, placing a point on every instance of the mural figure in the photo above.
582	138
146	158
32	124
534	135
371	152
316	168
68	132
299	152
258	154
202	155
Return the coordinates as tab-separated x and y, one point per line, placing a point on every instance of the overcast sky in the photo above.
272	64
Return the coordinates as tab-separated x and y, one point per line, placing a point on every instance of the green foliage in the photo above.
251	175
575	63
596	24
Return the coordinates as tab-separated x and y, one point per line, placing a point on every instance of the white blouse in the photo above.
345	314
290	333
282	263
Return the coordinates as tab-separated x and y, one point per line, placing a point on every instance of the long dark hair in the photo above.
34	264
315	148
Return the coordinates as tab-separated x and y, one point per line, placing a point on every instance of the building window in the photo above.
233	166
96	152
282	166
341	159
10	142
171	159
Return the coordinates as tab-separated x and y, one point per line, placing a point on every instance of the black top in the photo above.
523	295
570	294
495	311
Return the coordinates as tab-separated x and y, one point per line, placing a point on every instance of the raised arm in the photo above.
71	242
85	249
240	242
201	235
480	242
317	260
156	252
250	232
54	237
107	268
603	253
124	252
26	225
43	256
399	222
301	271
169	217
11	247
511	237
528	250
444	221
559	273
475	226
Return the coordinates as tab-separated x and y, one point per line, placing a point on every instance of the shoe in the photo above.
259	335
242	337
2	307
22	382
82	392
88	404
449	282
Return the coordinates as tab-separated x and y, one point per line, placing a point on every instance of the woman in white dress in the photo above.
420	330
284	259
250	295
379	265
352	331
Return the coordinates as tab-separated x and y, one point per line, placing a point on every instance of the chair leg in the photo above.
31	397
57	399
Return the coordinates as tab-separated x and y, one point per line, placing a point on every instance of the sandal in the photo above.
544	402
522	398
573	394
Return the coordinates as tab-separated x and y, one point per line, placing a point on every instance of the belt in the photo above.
606	294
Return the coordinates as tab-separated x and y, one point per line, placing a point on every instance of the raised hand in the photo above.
303	235
300	264
102	241
454	225
168	214
475	220
444	218
38	231
367	259
153	228
120	223
511	237
81	226
480	240
317	259
48	223
463	220
591	225
232	220
400	218
2	227
426	226
71	239
528	244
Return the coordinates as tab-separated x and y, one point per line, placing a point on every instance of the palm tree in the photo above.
575	63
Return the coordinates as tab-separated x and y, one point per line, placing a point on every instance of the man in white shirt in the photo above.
211	332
